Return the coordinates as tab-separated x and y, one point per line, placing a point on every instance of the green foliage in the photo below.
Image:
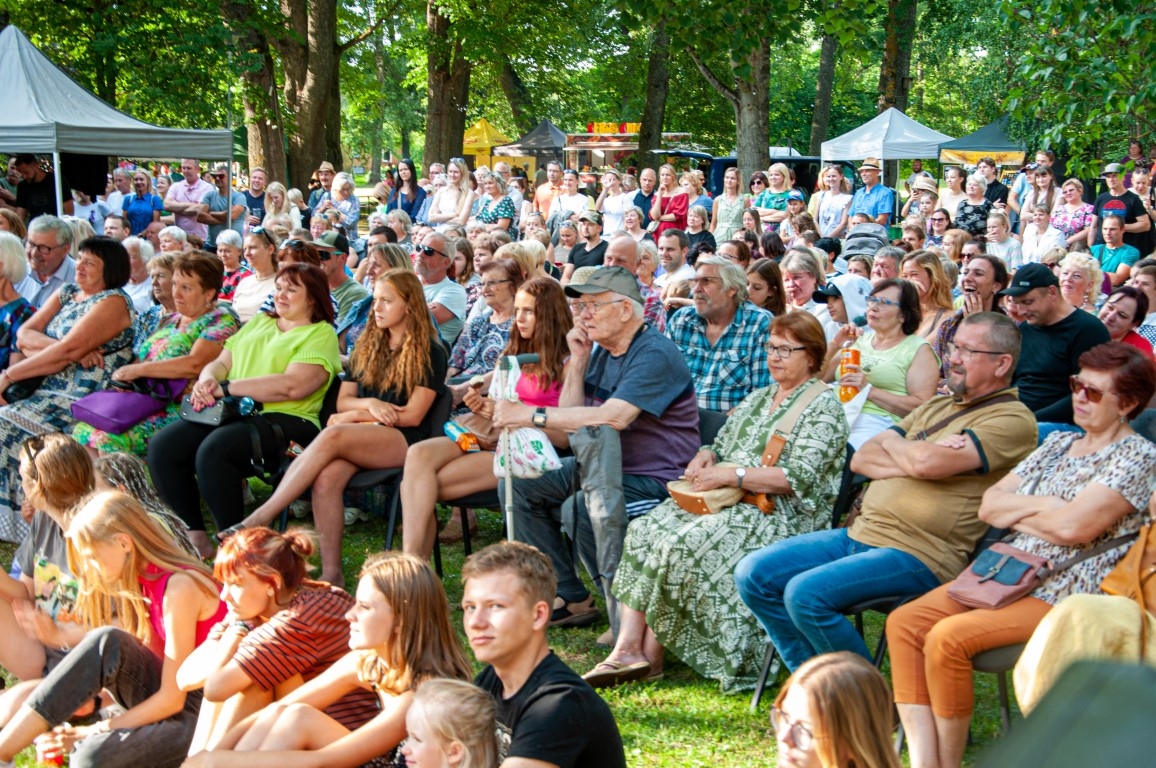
1085	72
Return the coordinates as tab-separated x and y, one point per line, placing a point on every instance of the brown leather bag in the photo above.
1132	577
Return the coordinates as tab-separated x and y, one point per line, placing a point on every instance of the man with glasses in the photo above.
49	264
445	297
919	520
628	403
1055	335
215	208
873	199
347	292
184	199
723	336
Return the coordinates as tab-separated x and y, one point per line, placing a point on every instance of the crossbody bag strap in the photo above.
1099	549
923	434
783	428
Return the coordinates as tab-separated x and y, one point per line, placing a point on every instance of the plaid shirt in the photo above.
653	310
735	366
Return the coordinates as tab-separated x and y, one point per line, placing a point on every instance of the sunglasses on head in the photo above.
263	233
32	448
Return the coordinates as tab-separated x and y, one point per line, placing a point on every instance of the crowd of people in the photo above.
991	367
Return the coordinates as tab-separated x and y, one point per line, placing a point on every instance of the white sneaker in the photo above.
353	514
301	509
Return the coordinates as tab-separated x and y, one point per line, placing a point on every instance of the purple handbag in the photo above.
127	404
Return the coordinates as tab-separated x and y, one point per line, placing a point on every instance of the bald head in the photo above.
622	252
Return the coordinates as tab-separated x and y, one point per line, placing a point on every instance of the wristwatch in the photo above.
740	474
539	418
224	387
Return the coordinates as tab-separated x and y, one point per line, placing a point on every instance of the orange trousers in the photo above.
933	639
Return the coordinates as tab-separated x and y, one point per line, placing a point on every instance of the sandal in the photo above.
584	613
232	529
608	674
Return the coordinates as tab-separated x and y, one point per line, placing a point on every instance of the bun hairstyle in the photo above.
279	559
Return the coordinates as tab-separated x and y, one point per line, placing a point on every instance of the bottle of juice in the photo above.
848	356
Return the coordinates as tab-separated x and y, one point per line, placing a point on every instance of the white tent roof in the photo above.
45	111
890	135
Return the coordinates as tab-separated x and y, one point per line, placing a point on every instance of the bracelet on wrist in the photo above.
241	626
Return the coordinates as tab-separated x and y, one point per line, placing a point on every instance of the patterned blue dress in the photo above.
48	409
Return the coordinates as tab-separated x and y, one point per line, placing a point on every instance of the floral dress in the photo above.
48	409
167	342
1070	222
972	218
678	568
491	213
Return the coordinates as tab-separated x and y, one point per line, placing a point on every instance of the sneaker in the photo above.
301	509
353	514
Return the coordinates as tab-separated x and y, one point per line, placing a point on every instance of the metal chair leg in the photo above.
768	661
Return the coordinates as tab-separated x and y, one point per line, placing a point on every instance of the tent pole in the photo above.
229	196
59	182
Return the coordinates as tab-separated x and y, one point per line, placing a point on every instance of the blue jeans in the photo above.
798	589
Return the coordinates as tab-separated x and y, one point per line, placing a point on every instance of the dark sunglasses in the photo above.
1093	394
32	447
429	250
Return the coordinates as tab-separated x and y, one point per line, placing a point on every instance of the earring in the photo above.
271	592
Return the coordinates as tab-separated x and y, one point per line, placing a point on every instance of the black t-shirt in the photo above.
1048	356
645	202
581	257
435	380
556	717
706	236
996	192
1131	207
39	197
255	204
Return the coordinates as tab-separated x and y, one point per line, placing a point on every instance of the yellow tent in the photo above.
480	139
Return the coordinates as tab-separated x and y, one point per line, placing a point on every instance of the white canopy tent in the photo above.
46	111
890	135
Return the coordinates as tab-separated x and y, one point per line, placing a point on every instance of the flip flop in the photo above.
608	674
586	613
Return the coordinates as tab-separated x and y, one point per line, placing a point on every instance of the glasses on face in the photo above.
582	307
783	352
1094	394
967	353
493	283
801	735
265	234
34	445
939	218
757	182
40	250
429	250
875	301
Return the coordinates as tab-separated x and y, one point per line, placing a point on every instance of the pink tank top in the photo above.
530	393
153	590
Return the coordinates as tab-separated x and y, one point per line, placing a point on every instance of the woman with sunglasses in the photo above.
397	369
938	223
895	360
260	250
771	202
72	346
834	712
284	360
1076	491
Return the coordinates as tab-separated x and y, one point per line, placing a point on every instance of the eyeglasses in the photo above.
758	182
34	445
1093	394
41	250
938	218
783	352
581	307
877	300
966	353
429	250
263	233
801	735
491	283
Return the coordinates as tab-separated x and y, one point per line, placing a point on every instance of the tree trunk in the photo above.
518	95
376	134
447	90
821	116
895	69
752	112
308	51
657	87
263	118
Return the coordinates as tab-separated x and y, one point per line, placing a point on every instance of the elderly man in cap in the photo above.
325	174
334	248
185	196
722	336
873	199
628	403
221	207
1055	334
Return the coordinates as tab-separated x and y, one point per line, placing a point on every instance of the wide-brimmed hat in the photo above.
870	164
326	166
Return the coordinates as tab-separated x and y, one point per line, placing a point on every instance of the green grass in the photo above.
681	721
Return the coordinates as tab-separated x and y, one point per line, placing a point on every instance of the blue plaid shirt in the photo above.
737	363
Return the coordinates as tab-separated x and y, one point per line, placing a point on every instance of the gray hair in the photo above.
978	180
731	274
649	246
144	249
229	237
399	215
342	180
121	172
803	261
173	233
12	263
46	223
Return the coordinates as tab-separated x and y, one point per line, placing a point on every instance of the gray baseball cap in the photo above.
614	279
